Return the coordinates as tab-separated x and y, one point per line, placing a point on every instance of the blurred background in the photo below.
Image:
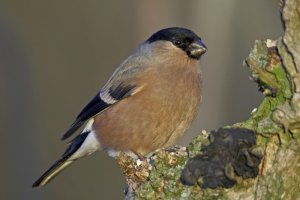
55	55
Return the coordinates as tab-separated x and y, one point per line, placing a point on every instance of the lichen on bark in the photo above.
275	66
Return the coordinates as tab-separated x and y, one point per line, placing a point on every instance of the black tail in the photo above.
52	172
62	163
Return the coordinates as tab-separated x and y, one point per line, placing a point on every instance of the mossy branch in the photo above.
275	66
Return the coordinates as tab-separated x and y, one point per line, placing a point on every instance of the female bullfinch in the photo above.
148	103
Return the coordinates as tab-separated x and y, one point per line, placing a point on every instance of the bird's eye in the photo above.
177	42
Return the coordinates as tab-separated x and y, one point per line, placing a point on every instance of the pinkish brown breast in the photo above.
156	116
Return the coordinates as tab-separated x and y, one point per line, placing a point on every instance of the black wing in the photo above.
97	105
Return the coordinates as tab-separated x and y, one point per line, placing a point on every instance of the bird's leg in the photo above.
139	155
173	148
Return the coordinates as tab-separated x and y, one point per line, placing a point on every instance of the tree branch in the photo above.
275	66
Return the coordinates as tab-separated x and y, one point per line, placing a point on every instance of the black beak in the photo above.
196	49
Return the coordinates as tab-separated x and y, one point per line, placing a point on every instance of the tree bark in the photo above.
275	66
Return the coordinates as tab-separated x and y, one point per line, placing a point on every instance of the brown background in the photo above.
55	55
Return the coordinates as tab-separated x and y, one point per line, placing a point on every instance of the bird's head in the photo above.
183	39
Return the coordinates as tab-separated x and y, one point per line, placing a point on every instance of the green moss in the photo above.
274	185
196	145
164	179
214	194
282	79
266	66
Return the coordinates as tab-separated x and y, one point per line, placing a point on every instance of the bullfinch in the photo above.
148	103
